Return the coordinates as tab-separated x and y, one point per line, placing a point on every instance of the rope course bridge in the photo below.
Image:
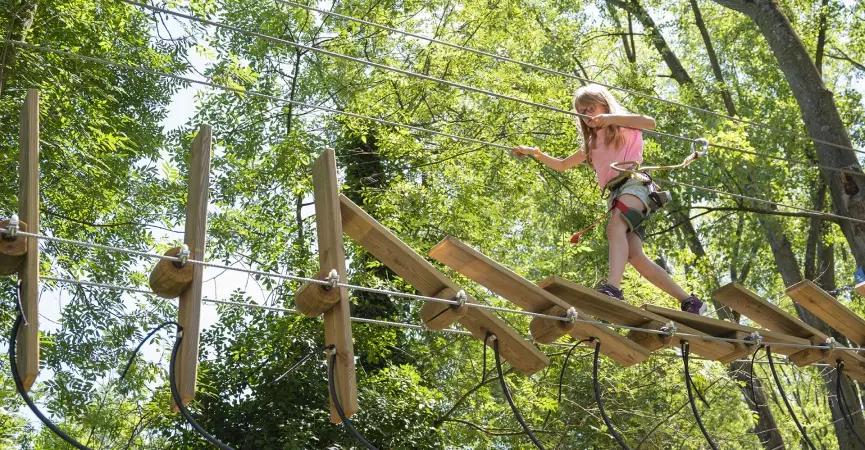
557	306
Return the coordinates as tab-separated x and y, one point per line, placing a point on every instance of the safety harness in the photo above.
657	197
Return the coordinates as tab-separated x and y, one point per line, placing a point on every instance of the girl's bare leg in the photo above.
651	270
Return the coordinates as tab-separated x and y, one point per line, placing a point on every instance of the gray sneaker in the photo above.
612	291
693	305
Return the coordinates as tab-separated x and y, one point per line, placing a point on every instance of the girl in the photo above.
610	135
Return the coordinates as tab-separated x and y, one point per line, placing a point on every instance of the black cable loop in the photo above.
179	402
511	400
331	382
688	381
842	403
19	386
751	379
787	402
596	385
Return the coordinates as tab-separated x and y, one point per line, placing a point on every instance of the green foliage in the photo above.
111	174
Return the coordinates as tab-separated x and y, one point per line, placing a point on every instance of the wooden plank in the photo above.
830	310
430	281
774	318
727	329
766	314
195	238
623	313
331	255
530	297
28	210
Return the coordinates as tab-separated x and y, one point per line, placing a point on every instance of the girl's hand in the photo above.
601	120
521	151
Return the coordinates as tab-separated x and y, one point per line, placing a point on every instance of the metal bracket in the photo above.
572	315
755	338
831	343
670	328
12	229
332	279
461	298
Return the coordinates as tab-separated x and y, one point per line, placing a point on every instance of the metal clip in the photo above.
572	315
461	297
489	337
11	229
184	255
702	141
755	338
831	343
333	279
670	328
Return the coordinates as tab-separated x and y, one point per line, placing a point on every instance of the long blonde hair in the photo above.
595	94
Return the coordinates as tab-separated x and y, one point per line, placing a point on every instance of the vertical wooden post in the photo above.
331	255
28	210
195	238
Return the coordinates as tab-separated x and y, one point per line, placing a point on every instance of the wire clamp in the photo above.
572	315
669	328
755	338
12	229
461	298
332	279
831	343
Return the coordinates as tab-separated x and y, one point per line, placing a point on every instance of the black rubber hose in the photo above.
842	403
331	382
19	385
511	400
597	388
787	402
176	396
751	380
685	350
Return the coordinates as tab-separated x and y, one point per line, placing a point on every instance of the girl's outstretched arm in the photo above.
554	163
622	120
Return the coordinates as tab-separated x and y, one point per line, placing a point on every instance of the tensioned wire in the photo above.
398	324
564	74
456	85
360	116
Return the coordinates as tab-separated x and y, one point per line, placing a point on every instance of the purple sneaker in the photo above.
693	305
612	291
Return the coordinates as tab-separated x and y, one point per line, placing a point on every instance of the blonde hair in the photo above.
595	94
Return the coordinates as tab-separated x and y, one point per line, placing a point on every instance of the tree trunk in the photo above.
819	113
713	59
22	20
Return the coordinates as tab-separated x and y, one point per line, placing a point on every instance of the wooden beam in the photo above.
727	329
429	281
331	255
28	210
830	310
774	318
763	312
606	308
528	296
195	238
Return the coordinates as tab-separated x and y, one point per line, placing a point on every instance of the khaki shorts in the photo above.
638	189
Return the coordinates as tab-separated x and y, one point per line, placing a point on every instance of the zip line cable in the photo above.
550	71
350	114
461	86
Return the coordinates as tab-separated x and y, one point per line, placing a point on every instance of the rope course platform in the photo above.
527	295
772	317
622	313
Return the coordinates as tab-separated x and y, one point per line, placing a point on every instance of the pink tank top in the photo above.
603	155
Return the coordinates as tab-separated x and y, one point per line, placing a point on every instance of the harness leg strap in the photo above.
633	217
